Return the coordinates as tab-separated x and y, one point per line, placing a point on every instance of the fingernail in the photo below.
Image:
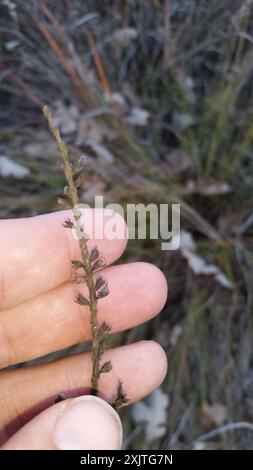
88	423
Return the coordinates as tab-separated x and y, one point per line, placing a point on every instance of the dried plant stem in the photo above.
65	63
99	66
93	310
86	259
90	262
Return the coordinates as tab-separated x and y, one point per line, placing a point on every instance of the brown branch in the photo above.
58	52
99	65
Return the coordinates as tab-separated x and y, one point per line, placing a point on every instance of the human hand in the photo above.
38	316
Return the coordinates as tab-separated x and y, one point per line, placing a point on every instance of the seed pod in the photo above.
121	398
100	282
68	224
104	330
79	278
106	367
79	178
98	264
94	254
81	300
63	203
76	264
103	292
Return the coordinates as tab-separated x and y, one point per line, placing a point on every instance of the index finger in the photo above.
36	253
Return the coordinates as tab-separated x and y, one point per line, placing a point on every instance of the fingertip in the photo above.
157	284
146	370
159	360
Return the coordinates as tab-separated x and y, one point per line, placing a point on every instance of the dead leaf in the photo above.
153	414
214	414
124	35
138	117
11	7
118	101
207	445
11	168
207	188
198	264
12	44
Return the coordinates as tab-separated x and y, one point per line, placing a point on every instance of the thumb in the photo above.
83	423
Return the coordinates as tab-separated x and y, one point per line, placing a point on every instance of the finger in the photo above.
53	321
84	423
26	392
35	253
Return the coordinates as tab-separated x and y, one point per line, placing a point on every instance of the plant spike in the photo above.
90	262
72	194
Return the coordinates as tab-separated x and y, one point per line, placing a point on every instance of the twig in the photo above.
245	226
182	424
67	42
224	429
59	53
27	91
99	65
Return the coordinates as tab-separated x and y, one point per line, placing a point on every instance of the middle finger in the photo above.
53	321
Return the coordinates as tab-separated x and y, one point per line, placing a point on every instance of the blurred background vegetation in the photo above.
158	95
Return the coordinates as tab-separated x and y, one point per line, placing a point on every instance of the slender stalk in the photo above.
86	259
90	262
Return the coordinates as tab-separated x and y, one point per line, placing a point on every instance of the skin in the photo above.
38	316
